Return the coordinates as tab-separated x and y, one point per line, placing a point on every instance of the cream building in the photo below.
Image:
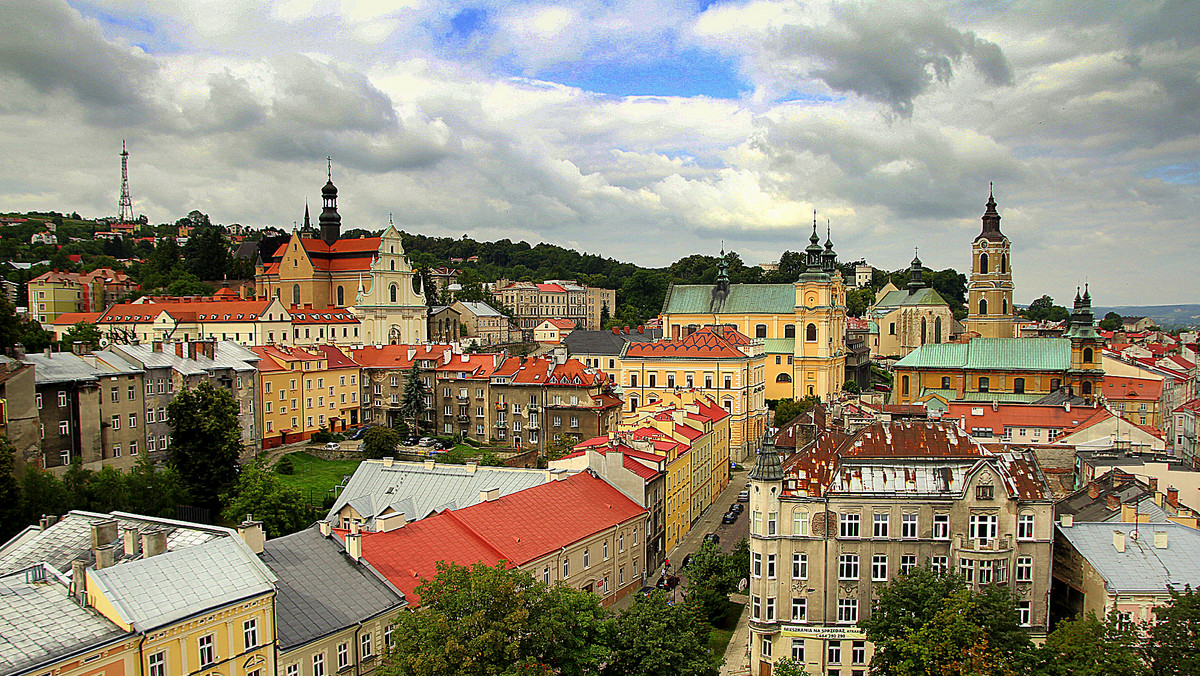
990	311
910	318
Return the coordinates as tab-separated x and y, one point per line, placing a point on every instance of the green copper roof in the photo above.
923	296
741	299
780	345
980	354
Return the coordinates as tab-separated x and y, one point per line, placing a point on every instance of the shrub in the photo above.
285	465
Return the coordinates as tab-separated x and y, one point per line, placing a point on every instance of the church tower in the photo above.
331	221
990	287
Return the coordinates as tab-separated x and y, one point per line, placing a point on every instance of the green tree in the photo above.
712	576
85	332
951	643
206	441
380	442
605	315
1044	309
155	491
858	300
282	509
652	637
560	445
412	403
493	621
1172	645
10	492
109	490
42	493
1087	646
206	253
786	666
786	410
851	387
1112	322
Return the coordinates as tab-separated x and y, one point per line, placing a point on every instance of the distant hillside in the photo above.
1166	316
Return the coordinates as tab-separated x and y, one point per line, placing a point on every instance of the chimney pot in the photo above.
252	534
1160	539
1093	491
354	545
1119	540
355	528
1113	501
326	527
79	581
1173	496
133	543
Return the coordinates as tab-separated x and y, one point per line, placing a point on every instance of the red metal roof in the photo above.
335	358
971	416
1125	388
333	315
203	310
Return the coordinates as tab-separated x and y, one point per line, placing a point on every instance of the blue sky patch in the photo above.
1179	174
690	73
468	21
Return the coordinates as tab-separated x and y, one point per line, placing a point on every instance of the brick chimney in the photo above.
1173	496
1153	483
1113	501
1093	490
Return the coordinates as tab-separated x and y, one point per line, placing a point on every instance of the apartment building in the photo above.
847	513
305	391
385	369
539	398
533	303
246	322
461	389
54	293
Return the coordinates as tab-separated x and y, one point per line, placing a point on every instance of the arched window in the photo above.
392	292
983	306
924	331
392	264
810	333
810	391
341	297
1004	306
937	330
903	386
295	294
1087	355
945	382
1055	383
1018	385
783	378
760	330
789	330
984	383
983	264
1087	388
1003	263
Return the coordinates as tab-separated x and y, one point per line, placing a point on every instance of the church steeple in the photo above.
914	273
990	286
991	220
812	258
331	221
307	223
723	272
829	257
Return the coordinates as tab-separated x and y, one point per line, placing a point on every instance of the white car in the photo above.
333	446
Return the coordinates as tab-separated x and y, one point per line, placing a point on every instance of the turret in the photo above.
330	220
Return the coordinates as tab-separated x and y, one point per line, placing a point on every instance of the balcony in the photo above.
462	398
532	425
534	408
463	418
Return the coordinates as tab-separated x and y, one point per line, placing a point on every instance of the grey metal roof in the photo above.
320	590
71	539
1142	567
229	355
607	342
40	623
62	367
160	590
480	309
417	490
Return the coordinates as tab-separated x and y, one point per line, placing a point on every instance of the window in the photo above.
62	427
62	399
800	523
908	526
848	525
387	633
881	526
606	551
756	564
941	527
904	385
757	525
115	395
566	568
319	664
799	566
798	650
208	654
799	609
810	333
772	518
985	572
1025	527
966	568
1024	569
984	492
116	451
847	611
770	566
834	652
892	328
766	646
858	652
983	527
133	447
907	563
37	398
158	664
364	645
343	655
132	393
848	567
945	382
1024	613
116	422
250	633
1018	385
984	383
546	575
940	564
760	330
879	564
755	607
1087	355
132	420
770	609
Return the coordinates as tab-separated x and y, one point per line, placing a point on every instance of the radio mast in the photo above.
125	205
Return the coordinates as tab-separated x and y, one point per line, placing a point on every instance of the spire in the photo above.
812	258
723	272
330	220
829	258
307	222
991	220
914	273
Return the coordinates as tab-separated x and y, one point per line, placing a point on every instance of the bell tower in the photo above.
990	287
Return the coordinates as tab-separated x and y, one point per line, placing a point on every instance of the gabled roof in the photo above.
994	354
607	342
741	299
332	315
704	343
187	311
472	365
976	415
397	356
334	357
560	323
1138	389
922	296
341	256
73	318
320	590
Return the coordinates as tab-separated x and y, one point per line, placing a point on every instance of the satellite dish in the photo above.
742	585
104	342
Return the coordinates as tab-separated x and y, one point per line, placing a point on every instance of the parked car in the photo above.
443	444
412	441
737	507
426	441
713	538
360	432
730	517
744	496
333	446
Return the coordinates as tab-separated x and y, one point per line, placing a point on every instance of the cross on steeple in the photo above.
329	167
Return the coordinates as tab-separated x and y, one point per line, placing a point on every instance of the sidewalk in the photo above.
737	654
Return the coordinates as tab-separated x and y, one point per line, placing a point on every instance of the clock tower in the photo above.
990	287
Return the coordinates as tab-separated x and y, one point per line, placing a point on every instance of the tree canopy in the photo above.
281	508
206	440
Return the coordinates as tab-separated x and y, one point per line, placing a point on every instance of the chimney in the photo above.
1093	490
1153	483
1129	513
355	527
616	330
252	533
429	464
133	543
1173	496
104	531
106	556
472	466
79	581
1119	540
388	461
47	352
354	545
191	350
1067	406
1067	520
489	495
385	524
154	542
78	347
156	345
179	349
326	527
1160	539
641	328
1113	501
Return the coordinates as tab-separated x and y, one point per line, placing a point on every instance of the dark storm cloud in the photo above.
889	52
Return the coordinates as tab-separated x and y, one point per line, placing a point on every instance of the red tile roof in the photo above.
472	365
691	433
518	528
705	343
333	315
73	318
550	288
1193	406
562	323
202	310
1138	389
396	356
974	415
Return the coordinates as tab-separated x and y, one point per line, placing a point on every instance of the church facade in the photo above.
807	318
371	276
910	318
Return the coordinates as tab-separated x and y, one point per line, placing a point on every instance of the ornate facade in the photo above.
990	287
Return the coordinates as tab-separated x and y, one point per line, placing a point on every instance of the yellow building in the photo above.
54	293
810	311
719	362
304	391
910	318
990	286
370	275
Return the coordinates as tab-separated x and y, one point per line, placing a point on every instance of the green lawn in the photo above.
722	632
316	477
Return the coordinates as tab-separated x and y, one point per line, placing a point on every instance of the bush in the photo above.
322	436
285	465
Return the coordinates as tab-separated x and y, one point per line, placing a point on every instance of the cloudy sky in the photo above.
645	130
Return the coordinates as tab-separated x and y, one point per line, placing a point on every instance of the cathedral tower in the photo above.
990	287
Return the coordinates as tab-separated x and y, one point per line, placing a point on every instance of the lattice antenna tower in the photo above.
124	205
